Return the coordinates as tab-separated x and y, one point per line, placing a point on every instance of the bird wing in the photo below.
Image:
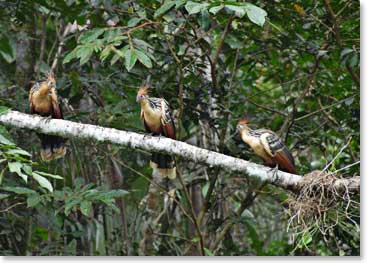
35	87
168	125
57	111
276	148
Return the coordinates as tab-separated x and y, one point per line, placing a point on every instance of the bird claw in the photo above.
47	119
275	172
147	134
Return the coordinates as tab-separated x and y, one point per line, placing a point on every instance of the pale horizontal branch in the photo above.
69	129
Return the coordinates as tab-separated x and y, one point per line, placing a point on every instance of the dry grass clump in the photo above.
321	204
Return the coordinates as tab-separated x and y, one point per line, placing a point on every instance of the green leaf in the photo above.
215	9
194	8
5	141
7	50
85	207
54	176
195	239
18	151
105	53
180	3
69	56
3	196
306	238
164	8
15	167
33	200
255	14
130	59
239	10
4	110
91	35
143	58
205	189
114	59
208	252
204	20
42	181
133	21
84	53
19	190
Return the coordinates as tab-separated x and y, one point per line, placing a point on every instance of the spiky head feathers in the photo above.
144	90
244	120
142	93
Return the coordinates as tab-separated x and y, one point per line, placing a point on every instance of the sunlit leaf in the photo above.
194	8
42	181
255	14
15	167
164	8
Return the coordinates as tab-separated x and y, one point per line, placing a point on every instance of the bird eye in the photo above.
50	83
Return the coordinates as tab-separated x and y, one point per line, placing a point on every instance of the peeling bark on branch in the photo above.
70	129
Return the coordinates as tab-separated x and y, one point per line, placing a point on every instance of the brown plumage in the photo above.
157	118
268	145
43	101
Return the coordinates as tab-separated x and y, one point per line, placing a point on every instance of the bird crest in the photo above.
244	120
144	90
51	77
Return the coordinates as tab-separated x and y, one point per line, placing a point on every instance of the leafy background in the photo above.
292	65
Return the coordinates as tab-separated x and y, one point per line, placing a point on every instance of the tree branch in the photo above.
134	140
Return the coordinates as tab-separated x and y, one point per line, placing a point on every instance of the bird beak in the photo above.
138	98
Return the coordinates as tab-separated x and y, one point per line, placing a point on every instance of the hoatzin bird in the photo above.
157	118
44	101
268	145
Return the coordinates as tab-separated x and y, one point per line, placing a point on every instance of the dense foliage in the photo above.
292	65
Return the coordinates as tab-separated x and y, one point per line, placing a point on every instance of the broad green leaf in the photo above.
15	167
5	141
85	207
133	22
33	200
54	176
215	9
91	35
42	181
194	8
84	53
164	8
130	59
239	10
69	56
255	14
143	58
18	151
19	190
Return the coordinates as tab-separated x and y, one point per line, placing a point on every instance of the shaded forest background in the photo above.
292	65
